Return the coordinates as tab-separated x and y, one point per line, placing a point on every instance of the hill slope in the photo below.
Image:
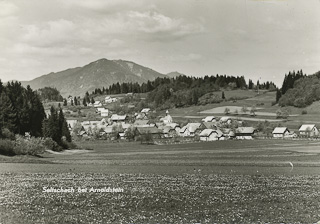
98	74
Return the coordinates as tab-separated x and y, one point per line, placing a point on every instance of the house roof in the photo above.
166	119
245	130
307	127
210	125
208	118
145	110
207	132
116	117
192	127
280	130
224	119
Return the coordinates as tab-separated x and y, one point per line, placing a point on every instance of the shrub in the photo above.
7	147
68	145
49	144
304	112
6	133
28	146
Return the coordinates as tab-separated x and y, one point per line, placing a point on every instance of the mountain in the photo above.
98	74
175	74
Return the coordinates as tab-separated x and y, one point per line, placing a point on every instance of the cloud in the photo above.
152	22
7	9
185	58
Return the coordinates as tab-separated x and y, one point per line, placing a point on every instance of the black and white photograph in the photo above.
159	111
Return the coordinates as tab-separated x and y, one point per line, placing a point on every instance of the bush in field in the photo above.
6	133
7	147
49	144
28	146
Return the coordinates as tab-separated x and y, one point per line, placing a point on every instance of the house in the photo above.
118	118
245	133
211	135
308	130
191	129
225	120
210	125
145	110
104	112
71	123
167	119
169	131
97	104
109	99
141	116
209	119
281	132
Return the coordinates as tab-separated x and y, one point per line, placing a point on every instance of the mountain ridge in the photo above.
97	74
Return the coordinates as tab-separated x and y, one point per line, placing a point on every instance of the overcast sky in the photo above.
254	38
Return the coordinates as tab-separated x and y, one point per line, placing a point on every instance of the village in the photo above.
140	127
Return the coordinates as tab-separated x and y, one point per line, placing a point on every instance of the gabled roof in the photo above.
145	110
209	119
224	119
116	117
245	130
307	127
209	125
280	130
192	127
207	132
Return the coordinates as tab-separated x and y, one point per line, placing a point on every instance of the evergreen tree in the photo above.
65	103
84	102
8	114
92	100
63	126
223	96
52	127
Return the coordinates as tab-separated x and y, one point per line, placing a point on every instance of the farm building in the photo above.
225	120
281	132
97	104
245	133
191	129
109	99
145	110
167	119
209	119
71	123
141	116
308	130
210	135
210	125
118	118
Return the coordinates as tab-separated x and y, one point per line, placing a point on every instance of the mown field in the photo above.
218	182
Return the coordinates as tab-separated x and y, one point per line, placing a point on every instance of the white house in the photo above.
309	130
210	135
109	99
118	118
245	133
191	129
225	120
209	119
281	132
97	104
145	110
104	112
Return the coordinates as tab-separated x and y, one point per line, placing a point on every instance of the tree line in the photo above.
21	112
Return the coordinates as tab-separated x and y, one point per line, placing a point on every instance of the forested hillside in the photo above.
300	90
183	90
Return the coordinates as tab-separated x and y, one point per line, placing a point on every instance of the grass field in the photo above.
221	182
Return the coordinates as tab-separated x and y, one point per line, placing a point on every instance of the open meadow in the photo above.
221	182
